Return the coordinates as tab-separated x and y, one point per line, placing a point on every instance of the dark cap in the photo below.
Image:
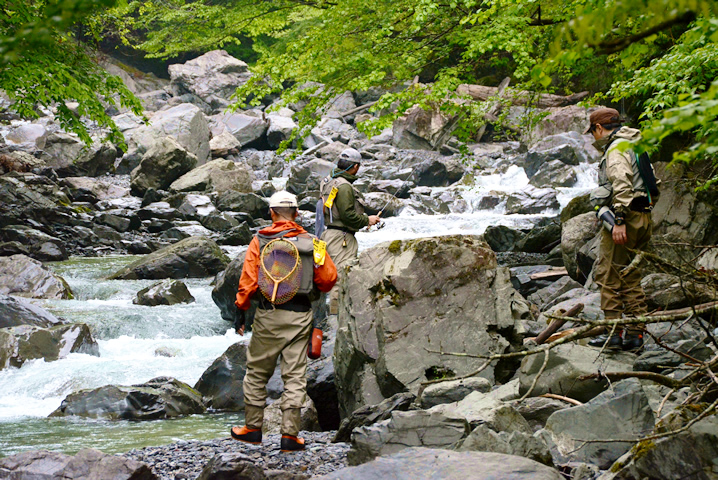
603	116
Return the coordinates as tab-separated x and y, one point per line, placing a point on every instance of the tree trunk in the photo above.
521	97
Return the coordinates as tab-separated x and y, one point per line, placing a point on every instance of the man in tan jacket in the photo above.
621	188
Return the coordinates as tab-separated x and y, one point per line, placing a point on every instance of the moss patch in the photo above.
395	247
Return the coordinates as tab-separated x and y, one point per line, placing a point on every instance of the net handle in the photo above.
269	275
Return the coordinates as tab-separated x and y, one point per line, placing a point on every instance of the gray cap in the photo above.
351	155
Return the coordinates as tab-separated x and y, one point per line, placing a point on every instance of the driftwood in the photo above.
548	274
558	323
521	97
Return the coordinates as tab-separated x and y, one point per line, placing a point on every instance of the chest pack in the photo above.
305	246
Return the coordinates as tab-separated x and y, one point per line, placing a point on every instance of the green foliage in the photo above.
43	64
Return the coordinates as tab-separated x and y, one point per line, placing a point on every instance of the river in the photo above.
188	336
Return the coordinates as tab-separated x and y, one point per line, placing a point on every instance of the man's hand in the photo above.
239	323
619	234
373	219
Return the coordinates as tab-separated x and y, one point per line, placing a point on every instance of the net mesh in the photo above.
280	271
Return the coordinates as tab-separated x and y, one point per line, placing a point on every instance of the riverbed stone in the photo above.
159	398
479	408
406	300
84	465
622	411
544	297
250	203
221	384
215	176
371	414
16	311
249	128
453	391
484	439
531	200
414	463
502	238
565	365
419	428
575	233
68	156
164	162
166	292
52	343
192	257
23	276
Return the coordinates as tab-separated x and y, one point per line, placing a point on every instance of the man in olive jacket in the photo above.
621	188
343	213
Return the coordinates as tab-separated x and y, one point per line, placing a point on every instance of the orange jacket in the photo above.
325	276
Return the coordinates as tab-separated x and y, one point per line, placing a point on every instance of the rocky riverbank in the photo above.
187	460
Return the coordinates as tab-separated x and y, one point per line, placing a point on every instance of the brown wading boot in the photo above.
612	342
247	435
290	443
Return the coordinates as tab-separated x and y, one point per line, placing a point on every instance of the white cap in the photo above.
351	155
283	199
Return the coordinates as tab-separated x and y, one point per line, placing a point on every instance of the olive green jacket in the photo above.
347	210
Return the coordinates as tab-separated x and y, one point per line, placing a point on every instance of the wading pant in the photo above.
622	294
277	333
342	247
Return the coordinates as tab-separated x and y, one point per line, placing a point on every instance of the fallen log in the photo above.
520	97
558	323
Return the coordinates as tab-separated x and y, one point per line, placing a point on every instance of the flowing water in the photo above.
138	343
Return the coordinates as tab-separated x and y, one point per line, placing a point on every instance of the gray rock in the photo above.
576	206
371	414
160	398
408	297
217	176
23	276
620	412
484	409
224	144
220	222
554	173
438	171
532	200
29	342
502	238
28	133
575	233
71	157
164	162
239	235
540	239
102	190
34	240
221	384
185	123
566	363
197	206
689	454
16	311
184	230
280	129
419	129
387	204
86	464
543	297
300	174
166	292
483	439
537	410
250	203
192	257
213	77
453	391
247	127
402	430
416	463
669	291
561	120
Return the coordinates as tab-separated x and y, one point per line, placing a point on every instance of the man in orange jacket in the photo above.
280	328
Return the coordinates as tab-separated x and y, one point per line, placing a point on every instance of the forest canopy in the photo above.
660	57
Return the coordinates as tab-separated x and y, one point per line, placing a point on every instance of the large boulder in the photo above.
420	129
71	157
23	276
192	257
249	128
407	300
84	187
221	384
574	430
28	196
53	343
86	464
166	292
371	414
418	428
566	363
164	162
438	171
417	463
16	311
160	398
215	176
561	120
249	203
576	232
213	77
280	129
531	200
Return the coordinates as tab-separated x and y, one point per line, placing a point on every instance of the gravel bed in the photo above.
185	460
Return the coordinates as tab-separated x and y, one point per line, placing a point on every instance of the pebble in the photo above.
187	459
